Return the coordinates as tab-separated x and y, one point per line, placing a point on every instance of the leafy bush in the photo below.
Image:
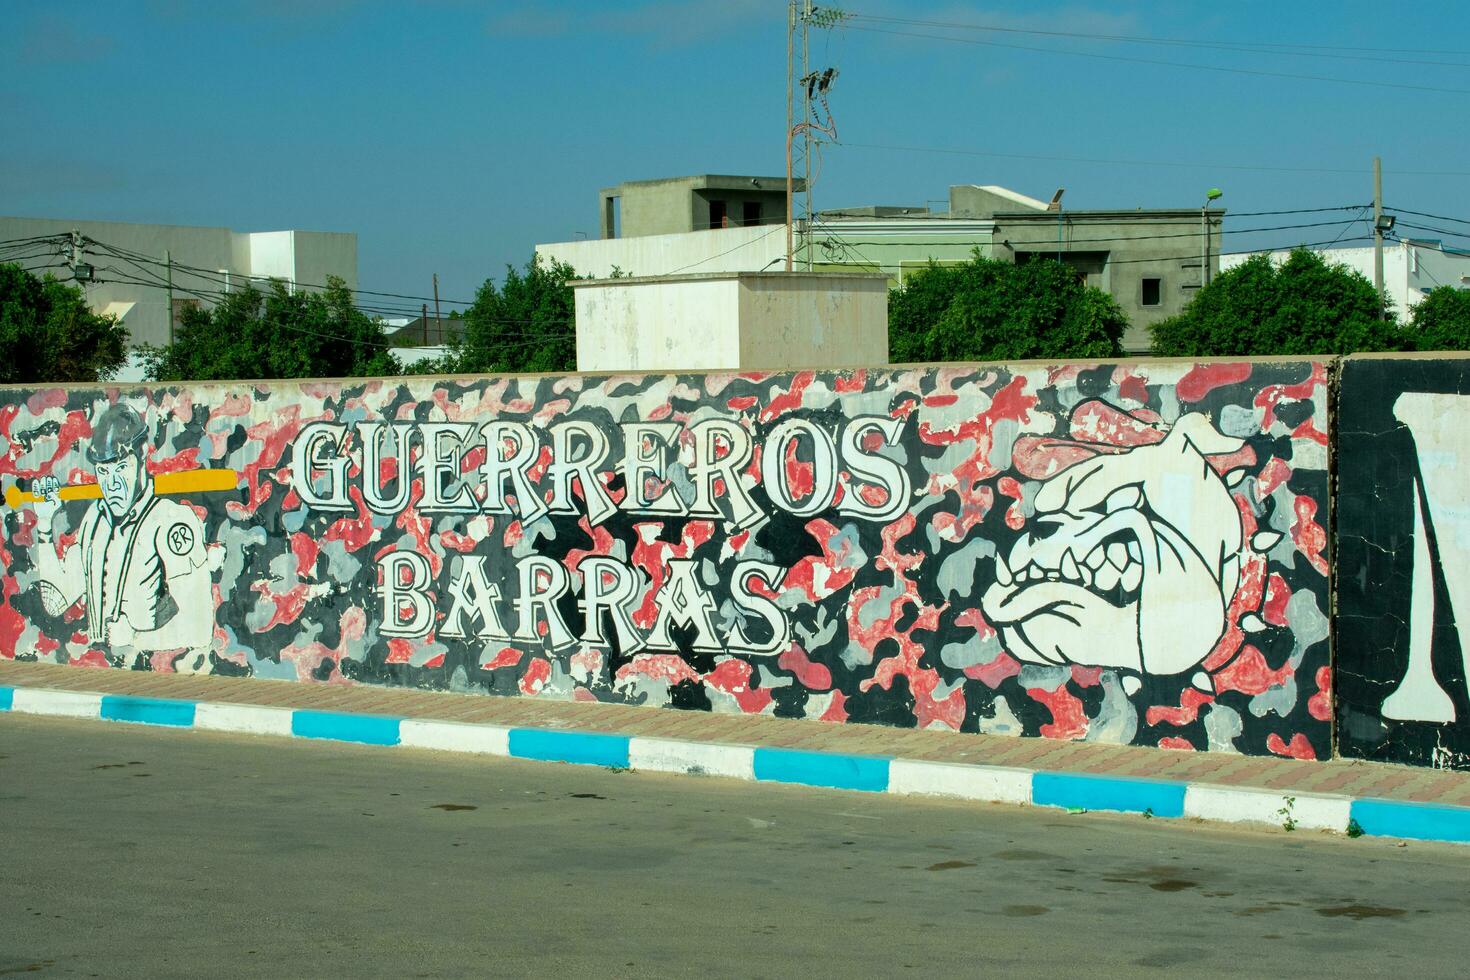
988	310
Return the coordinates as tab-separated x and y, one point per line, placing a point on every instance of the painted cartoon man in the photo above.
139	564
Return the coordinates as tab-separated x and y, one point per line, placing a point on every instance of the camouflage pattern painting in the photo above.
1131	553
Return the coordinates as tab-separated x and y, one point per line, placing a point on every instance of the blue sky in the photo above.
454	136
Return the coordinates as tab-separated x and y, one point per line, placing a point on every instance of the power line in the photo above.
1121	238
1241	47
1169	64
143	262
1144	163
1426	214
1438	231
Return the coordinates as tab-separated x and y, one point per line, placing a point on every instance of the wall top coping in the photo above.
712	276
827	368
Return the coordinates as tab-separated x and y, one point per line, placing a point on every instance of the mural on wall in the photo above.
1404	541
1124	553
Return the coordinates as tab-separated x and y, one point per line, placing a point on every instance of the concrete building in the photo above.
1411	268
700	203
1148	260
708	223
131	272
732	321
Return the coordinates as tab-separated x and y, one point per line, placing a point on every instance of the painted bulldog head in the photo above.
1134	550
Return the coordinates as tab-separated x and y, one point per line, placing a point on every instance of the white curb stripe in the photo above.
1236	805
64	704
248	718
696	758
454	736
993	784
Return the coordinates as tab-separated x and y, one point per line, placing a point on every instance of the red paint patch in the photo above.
1319	705
505	657
812	676
991	674
1310	538
1299	748
1189	704
1249	674
537	673
1205	378
1176	743
1068	719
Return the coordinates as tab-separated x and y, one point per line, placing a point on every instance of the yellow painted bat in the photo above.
188	481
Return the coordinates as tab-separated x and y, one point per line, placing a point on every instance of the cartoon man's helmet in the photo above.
118	432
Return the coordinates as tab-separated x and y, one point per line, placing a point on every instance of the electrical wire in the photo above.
1295	76
1240	47
1126	238
1430	228
1426	214
1145	163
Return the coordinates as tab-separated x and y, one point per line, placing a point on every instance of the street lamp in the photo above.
1213	194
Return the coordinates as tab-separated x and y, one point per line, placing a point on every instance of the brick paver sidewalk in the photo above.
1339	777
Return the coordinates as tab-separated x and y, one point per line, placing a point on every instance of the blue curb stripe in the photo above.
862	772
368	729
1107	793
7	698
147	711
586	748
1421	821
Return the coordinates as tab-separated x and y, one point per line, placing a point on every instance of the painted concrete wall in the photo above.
731	321
1122	553
1403	546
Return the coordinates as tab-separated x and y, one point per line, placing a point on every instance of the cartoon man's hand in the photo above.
48	488
120	632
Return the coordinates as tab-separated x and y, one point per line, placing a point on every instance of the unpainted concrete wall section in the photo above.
1125	553
788	322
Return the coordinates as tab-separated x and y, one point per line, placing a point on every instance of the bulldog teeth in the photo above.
1118	555
1094	559
1106	578
1003	572
1132	578
1123	498
1069	569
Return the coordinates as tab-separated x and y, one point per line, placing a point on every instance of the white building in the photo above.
1411	268
131	264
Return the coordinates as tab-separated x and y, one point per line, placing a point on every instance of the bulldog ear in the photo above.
1197	430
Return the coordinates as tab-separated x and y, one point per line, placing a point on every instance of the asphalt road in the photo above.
133	852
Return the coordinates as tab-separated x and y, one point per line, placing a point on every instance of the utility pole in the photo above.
790	119
806	133
438	323
425	322
168	260
1378	232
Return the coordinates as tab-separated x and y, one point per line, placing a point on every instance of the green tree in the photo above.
986	309
48	333
275	333
1302	306
527	324
1441	321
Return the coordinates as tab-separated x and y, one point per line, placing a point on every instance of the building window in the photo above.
717	217
752	215
1153	292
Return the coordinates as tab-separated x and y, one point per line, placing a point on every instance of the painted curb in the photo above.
873	774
